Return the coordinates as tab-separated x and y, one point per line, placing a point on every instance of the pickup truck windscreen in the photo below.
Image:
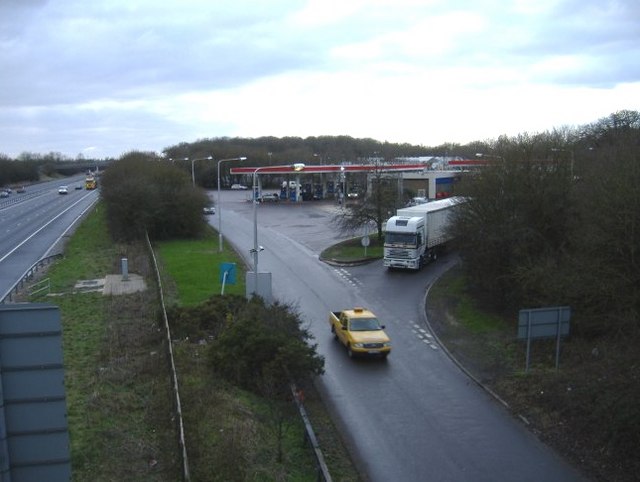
365	324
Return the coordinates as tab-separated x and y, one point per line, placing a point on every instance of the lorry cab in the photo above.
403	231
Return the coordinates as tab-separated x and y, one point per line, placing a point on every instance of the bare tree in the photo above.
374	208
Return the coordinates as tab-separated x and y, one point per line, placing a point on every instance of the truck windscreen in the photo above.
400	238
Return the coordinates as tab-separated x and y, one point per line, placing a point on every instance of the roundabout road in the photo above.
416	416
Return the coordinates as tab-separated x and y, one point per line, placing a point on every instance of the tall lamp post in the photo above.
219	202
193	173
256	249
343	194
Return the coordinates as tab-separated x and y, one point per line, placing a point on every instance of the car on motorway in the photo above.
78	187
352	195
209	210
63	190
21	189
238	186
4	193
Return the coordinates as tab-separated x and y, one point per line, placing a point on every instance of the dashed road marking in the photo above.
348	277
424	336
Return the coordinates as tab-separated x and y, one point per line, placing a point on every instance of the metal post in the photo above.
558	338
255	225
125	269
224	281
220	202
526	368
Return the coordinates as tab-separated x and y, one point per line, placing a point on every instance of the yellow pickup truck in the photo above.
360	331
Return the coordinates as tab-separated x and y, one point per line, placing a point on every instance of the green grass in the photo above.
118	390
195	268
117	387
352	250
466	311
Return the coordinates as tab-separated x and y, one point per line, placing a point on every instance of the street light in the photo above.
343	195
193	174
219	202
256	249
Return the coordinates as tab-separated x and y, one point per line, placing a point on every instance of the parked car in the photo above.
63	190
209	210
415	201
238	186
270	197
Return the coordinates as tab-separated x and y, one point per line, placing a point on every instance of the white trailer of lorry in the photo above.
415	234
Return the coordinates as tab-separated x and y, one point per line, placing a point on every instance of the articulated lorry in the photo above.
416	234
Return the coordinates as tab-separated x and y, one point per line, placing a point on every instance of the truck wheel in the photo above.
333	330
350	351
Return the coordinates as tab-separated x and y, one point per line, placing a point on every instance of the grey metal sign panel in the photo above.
36	448
27	318
33	384
34	416
34	440
543	322
36	473
33	349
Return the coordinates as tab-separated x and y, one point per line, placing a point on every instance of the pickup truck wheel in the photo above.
333	330
350	351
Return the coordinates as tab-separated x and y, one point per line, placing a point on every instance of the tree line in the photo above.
554	219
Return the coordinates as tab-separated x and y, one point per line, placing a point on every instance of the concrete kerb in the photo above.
355	262
423	310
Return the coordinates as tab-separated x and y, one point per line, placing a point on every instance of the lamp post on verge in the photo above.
342	196
256	249
193	173
219	202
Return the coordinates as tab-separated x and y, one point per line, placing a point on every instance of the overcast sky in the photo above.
102	77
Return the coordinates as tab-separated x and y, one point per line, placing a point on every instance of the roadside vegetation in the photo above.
548	227
351	250
118	389
235	360
552	219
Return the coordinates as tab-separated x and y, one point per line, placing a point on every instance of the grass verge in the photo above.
352	250
117	386
587	410
229	428
194	269
118	390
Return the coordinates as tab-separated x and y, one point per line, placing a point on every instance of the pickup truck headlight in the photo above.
387	344
359	345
